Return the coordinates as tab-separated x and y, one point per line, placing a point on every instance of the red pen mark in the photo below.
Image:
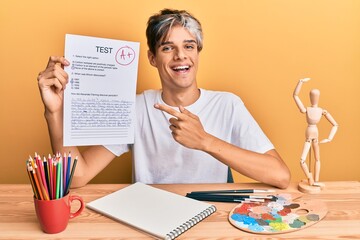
125	56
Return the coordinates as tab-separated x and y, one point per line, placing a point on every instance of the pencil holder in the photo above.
54	215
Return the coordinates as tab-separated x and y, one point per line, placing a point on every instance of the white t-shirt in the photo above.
158	158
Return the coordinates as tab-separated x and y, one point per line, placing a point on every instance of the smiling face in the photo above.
176	59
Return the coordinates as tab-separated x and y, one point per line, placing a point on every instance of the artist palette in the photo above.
278	215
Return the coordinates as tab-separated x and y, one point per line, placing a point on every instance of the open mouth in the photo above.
181	68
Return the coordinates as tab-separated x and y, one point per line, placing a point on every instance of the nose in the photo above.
179	54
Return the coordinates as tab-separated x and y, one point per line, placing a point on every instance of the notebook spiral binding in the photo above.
193	221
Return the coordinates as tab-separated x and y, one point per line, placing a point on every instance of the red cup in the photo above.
54	215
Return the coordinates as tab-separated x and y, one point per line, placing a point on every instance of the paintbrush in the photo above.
236	191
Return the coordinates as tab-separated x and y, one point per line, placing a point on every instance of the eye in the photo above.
190	46
166	48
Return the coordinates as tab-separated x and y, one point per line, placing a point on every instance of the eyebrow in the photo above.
185	41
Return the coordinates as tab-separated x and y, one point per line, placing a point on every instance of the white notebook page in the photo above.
150	209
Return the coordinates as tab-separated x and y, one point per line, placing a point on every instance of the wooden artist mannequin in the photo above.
313	116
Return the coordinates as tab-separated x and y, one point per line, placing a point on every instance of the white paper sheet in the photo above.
99	100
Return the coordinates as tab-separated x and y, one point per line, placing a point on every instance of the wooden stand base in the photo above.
306	188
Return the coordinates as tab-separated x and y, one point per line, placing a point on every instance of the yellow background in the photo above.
255	49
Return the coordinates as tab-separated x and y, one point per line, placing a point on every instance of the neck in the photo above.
181	98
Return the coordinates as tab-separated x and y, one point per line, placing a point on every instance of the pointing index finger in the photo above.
187	112
168	110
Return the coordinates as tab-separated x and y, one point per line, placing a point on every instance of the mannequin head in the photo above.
314	97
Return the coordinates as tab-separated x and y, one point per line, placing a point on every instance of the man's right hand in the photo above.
52	82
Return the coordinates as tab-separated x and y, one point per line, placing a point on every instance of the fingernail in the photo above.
156	105
66	62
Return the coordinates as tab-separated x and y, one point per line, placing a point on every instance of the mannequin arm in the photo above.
296	93
333	129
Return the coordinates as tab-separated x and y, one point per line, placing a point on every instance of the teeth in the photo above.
181	68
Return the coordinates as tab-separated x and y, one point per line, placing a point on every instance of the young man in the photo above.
183	134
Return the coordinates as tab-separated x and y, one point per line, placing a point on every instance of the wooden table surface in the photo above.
18	219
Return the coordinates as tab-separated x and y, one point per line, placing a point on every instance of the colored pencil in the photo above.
32	181
41	185
50	178
58	174
50	162
71	175
68	171
47	178
54	178
61	185
43	175
33	172
31	168
31	161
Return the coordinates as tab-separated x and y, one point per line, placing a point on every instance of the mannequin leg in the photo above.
316	149
303	163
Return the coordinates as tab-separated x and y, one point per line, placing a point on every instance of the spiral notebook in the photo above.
162	214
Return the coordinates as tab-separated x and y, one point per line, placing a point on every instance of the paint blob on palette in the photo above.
280	214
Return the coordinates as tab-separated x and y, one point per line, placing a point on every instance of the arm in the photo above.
268	168
52	82
187	130
296	93
333	129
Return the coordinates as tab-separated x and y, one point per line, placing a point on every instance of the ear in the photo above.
151	58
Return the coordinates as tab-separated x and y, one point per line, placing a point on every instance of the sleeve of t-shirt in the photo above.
118	149
247	133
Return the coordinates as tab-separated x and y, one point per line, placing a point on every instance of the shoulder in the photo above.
146	101
147	97
222	96
151	93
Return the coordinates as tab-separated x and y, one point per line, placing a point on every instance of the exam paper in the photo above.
99	100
